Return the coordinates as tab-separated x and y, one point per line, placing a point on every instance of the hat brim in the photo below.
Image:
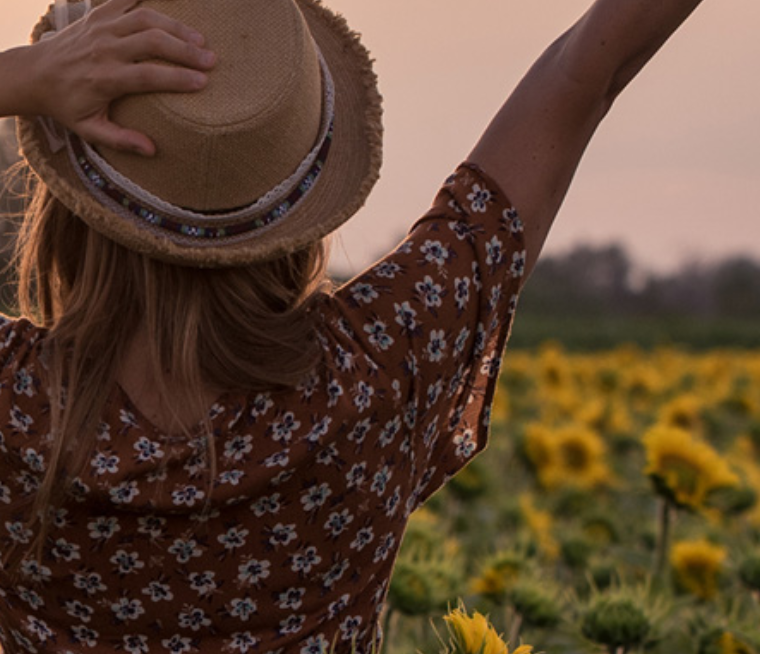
349	173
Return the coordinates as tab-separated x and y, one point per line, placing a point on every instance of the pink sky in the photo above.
674	173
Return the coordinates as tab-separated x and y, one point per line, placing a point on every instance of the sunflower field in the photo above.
615	510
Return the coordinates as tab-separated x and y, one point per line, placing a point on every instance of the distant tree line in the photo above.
601	280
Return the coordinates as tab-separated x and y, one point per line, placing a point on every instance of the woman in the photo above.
205	448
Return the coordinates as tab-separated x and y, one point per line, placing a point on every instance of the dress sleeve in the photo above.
434	317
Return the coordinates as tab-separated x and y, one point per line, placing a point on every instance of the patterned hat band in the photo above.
183	226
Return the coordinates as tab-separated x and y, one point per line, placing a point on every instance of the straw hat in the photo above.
280	149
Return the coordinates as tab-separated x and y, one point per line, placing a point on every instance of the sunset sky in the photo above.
673	174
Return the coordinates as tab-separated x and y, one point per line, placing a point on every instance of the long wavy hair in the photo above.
236	329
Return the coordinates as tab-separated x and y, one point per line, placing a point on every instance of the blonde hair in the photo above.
235	329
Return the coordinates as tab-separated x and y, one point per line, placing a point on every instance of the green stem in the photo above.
514	631
665	515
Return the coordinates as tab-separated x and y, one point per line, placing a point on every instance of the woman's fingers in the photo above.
157	44
154	77
101	131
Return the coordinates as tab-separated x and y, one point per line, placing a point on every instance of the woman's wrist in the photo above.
21	85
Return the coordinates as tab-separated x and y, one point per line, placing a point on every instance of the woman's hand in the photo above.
115	50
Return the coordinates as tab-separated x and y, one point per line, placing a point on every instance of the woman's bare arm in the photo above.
534	144
76	74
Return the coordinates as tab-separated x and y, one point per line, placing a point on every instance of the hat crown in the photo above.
253	125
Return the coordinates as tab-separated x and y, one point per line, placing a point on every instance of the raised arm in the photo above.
534	144
74	75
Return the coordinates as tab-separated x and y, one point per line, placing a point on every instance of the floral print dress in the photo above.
314	485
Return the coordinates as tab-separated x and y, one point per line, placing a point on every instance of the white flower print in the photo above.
187	495
320	429
291	598
35	571
494	251
363	396
151	524
518	264
511	217
128	418
102	528
261	405
435	252
237	447
350	627
315	645
158	592
185	549
378	336
359	431
315	496
126	562
243	642
124	493
282	430
513	304
278	459
465	444
292	624
381	479
436	347
363	538
148	450
267	504
364	293
243	608
388	433
434	392
406	316
20	420
23	383
39	629
338	522
177	644
231	477
491	365
356	475
127	609
90	582
477	279
462	292
135	644
334	393
203	583
344	360
303	562
193	618
479	198
63	550
252	571
283	534
18	532
84	635
105	463
31	597
384	549
336	571
34	460
431	293
80	611
233	538
387	270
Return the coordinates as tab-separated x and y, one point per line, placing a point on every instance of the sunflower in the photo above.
569	456
685	470
684	411
475	635
697	566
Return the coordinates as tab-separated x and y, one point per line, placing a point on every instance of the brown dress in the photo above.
314	486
